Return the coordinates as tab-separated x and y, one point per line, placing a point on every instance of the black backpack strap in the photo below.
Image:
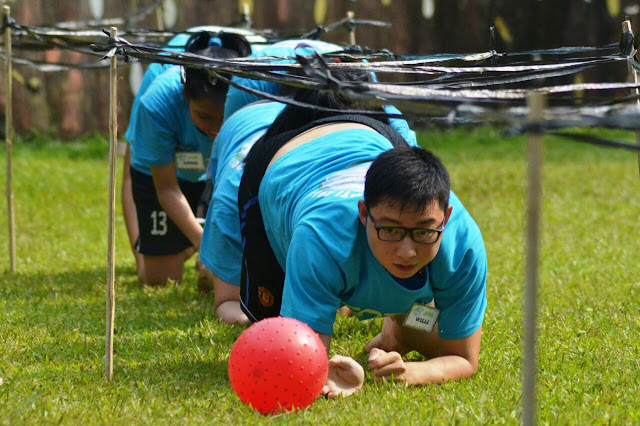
384	129
262	279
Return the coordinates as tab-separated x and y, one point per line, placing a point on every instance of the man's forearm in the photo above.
438	370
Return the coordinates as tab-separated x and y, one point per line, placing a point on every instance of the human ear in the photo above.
447	214
362	212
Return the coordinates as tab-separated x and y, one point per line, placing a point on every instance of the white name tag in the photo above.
190	161
422	317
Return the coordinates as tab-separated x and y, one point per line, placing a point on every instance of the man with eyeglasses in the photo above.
426	241
316	235
408	251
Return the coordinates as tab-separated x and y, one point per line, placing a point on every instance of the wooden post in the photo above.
246	16
160	17
626	27
8	129
536	104
352	31
113	149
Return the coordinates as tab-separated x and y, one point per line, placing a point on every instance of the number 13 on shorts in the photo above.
159	221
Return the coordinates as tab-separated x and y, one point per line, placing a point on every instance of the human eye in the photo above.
424	235
391	233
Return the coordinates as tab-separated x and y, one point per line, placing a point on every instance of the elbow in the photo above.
473	368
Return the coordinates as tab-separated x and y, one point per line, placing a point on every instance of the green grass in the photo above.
171	353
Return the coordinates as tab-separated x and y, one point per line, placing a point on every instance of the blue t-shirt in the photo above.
177	44
312	223
162	127
221	248
140	121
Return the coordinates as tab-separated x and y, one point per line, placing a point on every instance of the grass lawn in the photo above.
171	353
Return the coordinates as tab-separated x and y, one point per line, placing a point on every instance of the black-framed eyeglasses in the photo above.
397	233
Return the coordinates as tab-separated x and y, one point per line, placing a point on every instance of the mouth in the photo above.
405	269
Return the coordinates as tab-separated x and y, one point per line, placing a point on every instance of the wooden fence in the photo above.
74	103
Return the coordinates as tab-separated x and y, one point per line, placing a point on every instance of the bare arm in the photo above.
226	299
174	202
451	359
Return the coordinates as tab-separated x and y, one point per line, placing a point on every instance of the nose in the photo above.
405	249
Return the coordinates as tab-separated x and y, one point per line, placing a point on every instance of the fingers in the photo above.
379	358
374	354
325	390
385	364
376	342
330	392
340	361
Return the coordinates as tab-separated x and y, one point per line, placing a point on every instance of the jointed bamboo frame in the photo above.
113	148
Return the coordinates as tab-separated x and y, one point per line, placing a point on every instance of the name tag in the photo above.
190	161
421	317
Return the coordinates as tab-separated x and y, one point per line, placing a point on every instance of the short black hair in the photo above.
407	177
198	84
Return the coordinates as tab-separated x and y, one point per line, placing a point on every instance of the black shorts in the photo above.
159	235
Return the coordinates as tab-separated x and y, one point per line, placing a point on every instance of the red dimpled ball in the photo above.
278	364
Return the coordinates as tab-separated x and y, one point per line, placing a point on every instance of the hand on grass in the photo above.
387	338
346	377
387	366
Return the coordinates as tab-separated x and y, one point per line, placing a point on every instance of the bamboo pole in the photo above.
626	27
8	130
536	104
352	31
113	148
160	17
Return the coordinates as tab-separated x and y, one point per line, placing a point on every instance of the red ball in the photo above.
278	364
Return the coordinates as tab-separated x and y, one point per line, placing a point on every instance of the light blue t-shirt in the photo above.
138	121
221	248
162	127
311	220
177	44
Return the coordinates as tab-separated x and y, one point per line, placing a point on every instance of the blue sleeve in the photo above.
221	248
313	282
401	126
154	138
462	299
152	72
238	98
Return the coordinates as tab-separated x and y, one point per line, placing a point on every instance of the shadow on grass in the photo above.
75	301
55	326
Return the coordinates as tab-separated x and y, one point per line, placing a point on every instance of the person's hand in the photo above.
345	378
204	281
387	366
387	338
